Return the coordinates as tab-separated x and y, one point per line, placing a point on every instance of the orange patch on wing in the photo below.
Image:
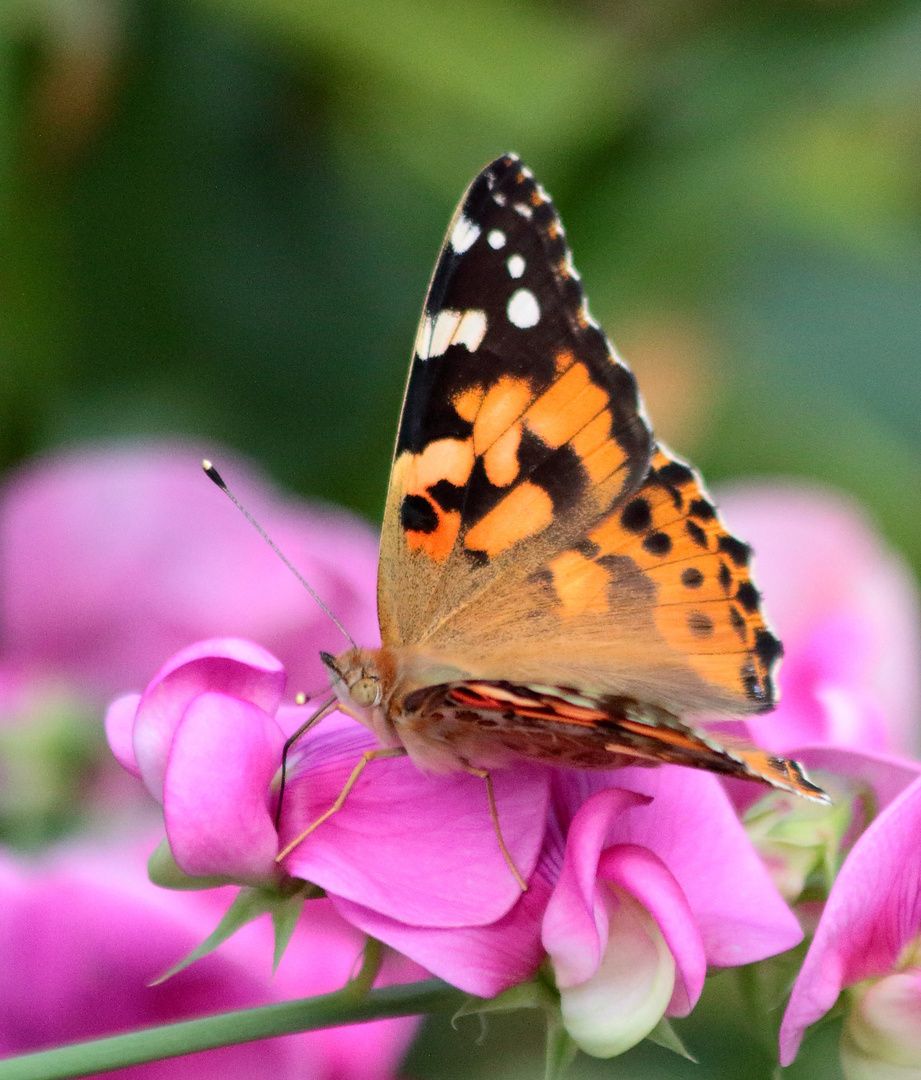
444	459
468	402
579	583
526	510
502	405
438	543
569	404
501	459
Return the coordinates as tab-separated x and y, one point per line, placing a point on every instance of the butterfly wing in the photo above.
489	722
533	531
519	423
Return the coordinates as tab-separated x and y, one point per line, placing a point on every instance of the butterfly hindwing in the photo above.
519	421
701	614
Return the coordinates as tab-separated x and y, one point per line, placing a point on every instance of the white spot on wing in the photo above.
515	265
496	239
447	328
471	330
500	198
464	234
524	210
523	309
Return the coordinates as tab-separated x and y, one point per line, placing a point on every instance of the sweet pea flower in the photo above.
83	935
113	557
658	882
414	860
846	609
206	738
869	937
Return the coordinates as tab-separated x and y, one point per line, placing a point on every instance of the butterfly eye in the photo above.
366	691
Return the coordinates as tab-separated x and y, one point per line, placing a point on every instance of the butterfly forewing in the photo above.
519	421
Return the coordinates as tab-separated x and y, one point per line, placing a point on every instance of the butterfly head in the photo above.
355	680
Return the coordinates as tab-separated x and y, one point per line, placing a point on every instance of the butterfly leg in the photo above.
368	755
484	774
324	710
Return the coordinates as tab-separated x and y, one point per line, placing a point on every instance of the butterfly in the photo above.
554	585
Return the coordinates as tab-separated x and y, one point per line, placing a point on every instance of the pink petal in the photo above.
575	925
692	827
227	665
417	848
646	877
114	557
119	723
215	799
819	560
873	911
482	960
82	969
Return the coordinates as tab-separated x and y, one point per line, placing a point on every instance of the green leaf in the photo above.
515	81
664	1034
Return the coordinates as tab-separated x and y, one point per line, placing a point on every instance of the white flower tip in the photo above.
628	995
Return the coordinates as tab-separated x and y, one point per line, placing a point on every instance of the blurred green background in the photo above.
218	219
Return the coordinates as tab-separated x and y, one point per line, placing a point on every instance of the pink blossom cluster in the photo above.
639	880
110	559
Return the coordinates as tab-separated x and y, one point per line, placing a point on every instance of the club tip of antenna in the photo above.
300	698
212	473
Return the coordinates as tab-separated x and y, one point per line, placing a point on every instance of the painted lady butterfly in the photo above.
553	585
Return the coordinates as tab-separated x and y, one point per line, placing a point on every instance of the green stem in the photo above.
230	1029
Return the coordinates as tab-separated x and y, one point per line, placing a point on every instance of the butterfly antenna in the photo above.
215	477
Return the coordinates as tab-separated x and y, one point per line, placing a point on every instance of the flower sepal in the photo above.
665	1035
285	905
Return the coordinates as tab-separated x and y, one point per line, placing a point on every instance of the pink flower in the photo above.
206	738
83	934
658	883
846	609
870	930
414	859
114	557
